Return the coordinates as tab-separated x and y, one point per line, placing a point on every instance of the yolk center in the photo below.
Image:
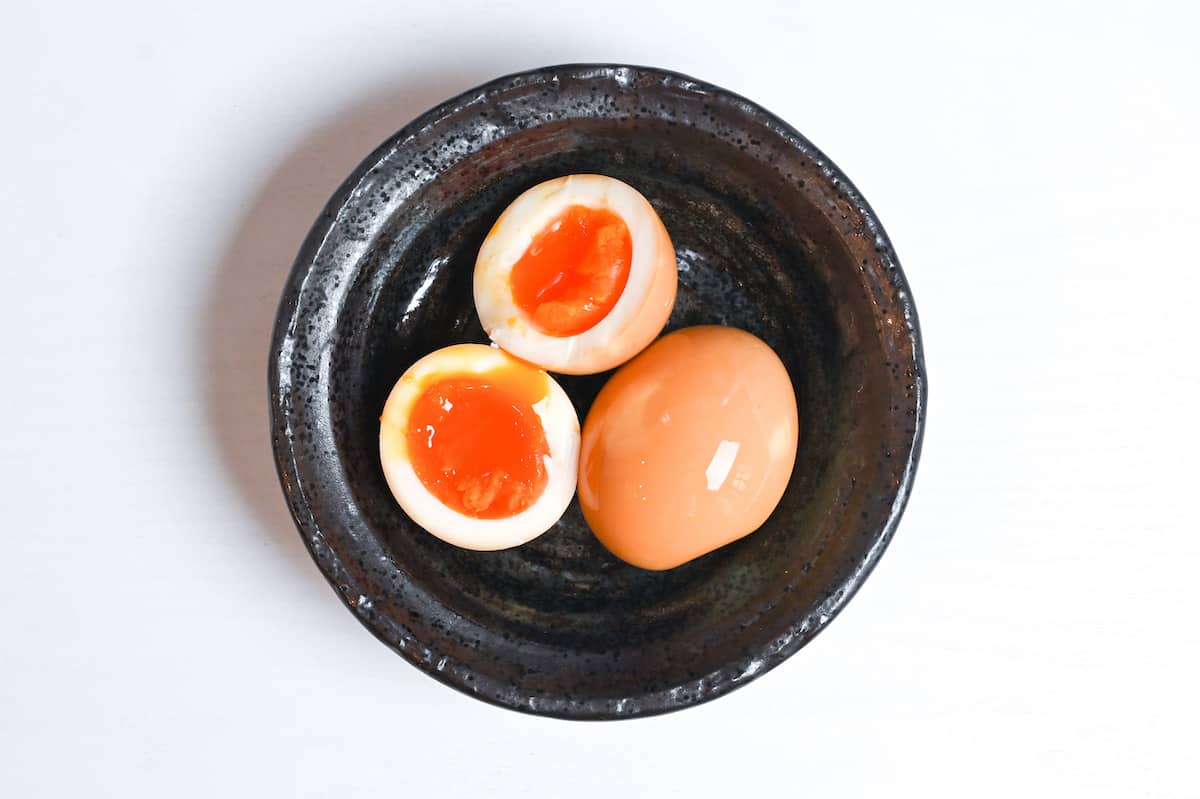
574	271
477	444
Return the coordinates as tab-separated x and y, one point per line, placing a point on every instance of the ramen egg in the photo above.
578	275
688	447
479	448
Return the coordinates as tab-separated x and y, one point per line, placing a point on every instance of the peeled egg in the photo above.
688	447
479	448
577	275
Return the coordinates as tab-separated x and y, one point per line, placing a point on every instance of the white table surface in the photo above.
1031	632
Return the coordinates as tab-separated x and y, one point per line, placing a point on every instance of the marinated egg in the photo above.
479	448
577	275
688	447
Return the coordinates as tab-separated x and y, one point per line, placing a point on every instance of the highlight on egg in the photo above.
577	275
688	447
479	448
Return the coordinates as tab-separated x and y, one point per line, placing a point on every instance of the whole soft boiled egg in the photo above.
479	448
688	447
578	275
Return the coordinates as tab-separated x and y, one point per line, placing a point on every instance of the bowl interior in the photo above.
766	239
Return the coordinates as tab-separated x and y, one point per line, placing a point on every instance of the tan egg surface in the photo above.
688	447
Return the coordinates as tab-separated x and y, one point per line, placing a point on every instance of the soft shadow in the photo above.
250	276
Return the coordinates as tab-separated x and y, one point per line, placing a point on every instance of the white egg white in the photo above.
560	424
622	332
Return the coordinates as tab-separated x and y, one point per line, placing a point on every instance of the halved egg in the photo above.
479	448
577	275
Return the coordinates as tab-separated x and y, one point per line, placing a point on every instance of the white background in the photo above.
1031	632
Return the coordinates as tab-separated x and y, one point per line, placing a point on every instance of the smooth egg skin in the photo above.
578	275
479	448
688	447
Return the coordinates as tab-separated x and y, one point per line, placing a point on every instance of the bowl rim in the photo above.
802	630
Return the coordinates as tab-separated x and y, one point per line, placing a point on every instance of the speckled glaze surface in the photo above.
770	237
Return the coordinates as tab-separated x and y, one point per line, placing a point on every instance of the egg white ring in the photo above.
529	215
559	422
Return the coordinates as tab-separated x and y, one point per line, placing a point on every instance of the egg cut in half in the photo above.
577	275
479	448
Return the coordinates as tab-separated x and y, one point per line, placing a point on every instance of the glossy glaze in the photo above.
688	447
769	236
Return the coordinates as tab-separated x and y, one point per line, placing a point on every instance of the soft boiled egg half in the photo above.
479	448
577	275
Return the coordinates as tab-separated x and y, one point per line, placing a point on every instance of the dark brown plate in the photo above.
770	236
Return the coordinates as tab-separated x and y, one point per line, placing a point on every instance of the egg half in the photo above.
479	448
688	447
578	275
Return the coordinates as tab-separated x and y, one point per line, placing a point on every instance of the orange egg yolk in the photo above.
477	444
574	270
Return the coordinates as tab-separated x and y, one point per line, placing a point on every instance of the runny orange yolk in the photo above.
477	444
574	270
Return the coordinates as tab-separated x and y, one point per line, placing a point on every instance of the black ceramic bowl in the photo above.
770	237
